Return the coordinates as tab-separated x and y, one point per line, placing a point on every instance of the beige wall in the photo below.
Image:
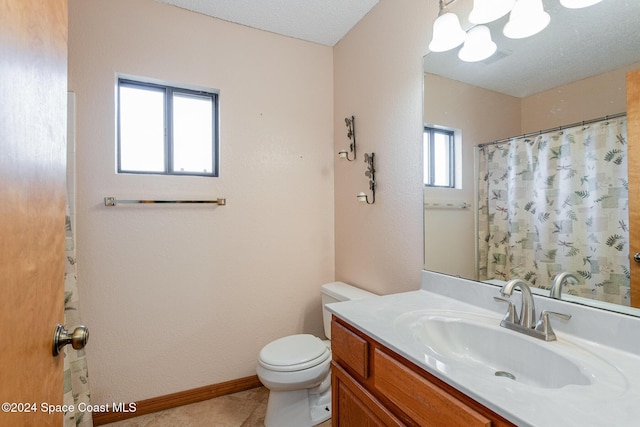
178	297
378	79
590	98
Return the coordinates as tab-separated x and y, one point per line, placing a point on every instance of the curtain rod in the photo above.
540	132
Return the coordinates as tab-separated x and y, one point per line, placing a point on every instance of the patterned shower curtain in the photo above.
76	378
557	202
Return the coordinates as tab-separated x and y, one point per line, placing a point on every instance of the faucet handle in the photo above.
511	315
544	325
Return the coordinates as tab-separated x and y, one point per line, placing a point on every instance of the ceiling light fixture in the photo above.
526	19
447	32
478	46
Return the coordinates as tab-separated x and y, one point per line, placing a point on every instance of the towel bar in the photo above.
112	201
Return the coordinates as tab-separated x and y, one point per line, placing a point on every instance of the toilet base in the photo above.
297	408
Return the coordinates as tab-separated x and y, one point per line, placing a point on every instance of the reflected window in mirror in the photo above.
439	157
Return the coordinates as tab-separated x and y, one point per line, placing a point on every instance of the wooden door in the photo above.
33	87
633	140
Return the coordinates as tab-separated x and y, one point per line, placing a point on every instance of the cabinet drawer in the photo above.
420	399
350	349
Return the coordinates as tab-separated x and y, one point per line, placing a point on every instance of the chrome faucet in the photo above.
527	308
524	322
556	286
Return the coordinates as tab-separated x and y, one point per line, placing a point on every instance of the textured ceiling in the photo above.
318	21
578	43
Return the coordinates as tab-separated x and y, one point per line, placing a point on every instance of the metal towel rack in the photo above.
112	201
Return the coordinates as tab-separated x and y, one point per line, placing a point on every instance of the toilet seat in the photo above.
294	353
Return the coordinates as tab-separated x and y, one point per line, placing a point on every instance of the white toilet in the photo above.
296	369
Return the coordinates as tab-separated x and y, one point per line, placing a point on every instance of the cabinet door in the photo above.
422	400
353	406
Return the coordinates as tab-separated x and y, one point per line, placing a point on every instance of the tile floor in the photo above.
243	409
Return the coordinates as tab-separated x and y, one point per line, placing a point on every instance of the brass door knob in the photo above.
61	337
636	257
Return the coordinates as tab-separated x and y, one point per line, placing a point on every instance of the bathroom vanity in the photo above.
374	386
438	356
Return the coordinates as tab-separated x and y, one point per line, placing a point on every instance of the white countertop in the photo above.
612	400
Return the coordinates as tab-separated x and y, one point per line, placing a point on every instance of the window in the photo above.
439	158
166	130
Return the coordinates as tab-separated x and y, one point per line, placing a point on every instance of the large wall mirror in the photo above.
559	91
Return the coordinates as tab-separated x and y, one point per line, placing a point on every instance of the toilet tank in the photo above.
336	292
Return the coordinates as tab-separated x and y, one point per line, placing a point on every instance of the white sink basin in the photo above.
475	343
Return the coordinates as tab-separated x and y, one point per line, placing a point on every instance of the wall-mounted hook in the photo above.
351	134
371	173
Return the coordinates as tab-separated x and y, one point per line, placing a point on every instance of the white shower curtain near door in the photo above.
557	202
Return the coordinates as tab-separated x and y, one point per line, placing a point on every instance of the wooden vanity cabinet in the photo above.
373	386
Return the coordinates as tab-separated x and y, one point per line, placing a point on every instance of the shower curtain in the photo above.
76	377
557	202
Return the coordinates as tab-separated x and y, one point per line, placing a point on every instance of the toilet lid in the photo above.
294	353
